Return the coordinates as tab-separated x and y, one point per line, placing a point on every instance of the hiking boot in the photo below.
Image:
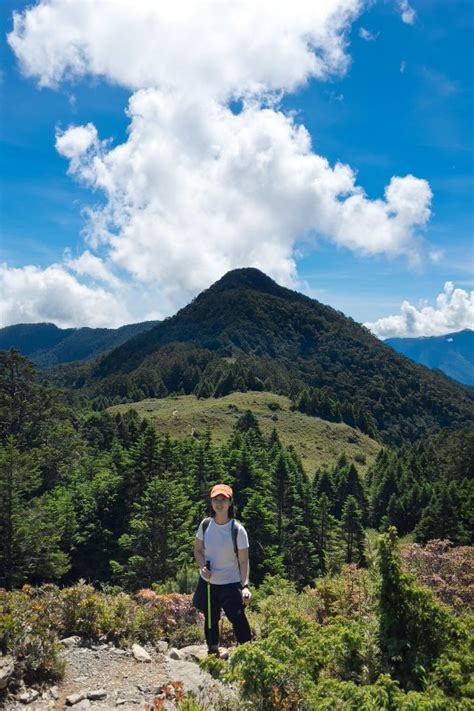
213	649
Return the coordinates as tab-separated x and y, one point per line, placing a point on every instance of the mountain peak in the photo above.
249	278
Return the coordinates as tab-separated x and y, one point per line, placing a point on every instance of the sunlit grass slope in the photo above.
318	443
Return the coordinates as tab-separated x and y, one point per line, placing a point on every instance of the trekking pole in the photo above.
208	566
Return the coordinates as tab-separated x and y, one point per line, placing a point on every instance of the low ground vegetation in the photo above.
361	639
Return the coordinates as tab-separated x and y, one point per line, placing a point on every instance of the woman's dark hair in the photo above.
212	513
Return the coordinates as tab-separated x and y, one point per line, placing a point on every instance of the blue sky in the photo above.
393	99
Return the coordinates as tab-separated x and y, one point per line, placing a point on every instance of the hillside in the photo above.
47	345
248	333
452	353
318	443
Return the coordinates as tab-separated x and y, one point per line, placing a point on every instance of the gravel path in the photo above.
104	677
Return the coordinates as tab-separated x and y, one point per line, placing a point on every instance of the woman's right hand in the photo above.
206	573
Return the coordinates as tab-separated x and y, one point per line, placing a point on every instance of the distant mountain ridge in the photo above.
47	345
452	353
245	325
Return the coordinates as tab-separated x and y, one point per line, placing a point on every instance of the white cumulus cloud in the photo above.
197	189
31	294
454	311
76	142
223	48
91	266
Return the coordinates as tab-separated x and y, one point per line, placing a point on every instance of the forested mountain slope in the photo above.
47	345
247	332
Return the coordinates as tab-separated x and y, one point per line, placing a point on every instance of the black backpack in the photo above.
234	529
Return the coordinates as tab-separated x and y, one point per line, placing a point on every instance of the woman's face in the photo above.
221	503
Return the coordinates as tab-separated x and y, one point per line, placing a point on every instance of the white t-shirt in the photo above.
219	550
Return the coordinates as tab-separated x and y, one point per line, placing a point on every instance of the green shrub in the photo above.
84	611
384	695
28	634
216	667
414	630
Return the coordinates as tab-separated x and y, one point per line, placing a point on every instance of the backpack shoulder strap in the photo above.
235	526
205	526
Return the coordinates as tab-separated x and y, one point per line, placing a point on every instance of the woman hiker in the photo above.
221	551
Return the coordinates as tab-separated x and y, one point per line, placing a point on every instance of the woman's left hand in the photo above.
246	595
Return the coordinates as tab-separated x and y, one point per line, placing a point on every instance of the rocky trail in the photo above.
104	677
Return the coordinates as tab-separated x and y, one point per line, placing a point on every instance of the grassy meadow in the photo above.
319	443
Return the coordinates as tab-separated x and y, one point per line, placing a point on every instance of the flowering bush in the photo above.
174	613
27	633
447	570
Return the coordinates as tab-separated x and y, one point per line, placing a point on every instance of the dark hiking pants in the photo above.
227	597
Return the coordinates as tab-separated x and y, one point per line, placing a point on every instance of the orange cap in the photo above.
221	489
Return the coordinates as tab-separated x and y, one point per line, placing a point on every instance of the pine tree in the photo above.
282	484
101	512
258	519
386	487
323	484
166	456
274	441
204	389
304	402
299	549
245	477
326	534
441	518
25	406
413	628
29	536
396	513
145	463
353	532
247	422
159	539
355	488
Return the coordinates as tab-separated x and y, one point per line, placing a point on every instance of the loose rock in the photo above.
140	654
162	646
192	652
97	694
28	696
73	699
7	667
